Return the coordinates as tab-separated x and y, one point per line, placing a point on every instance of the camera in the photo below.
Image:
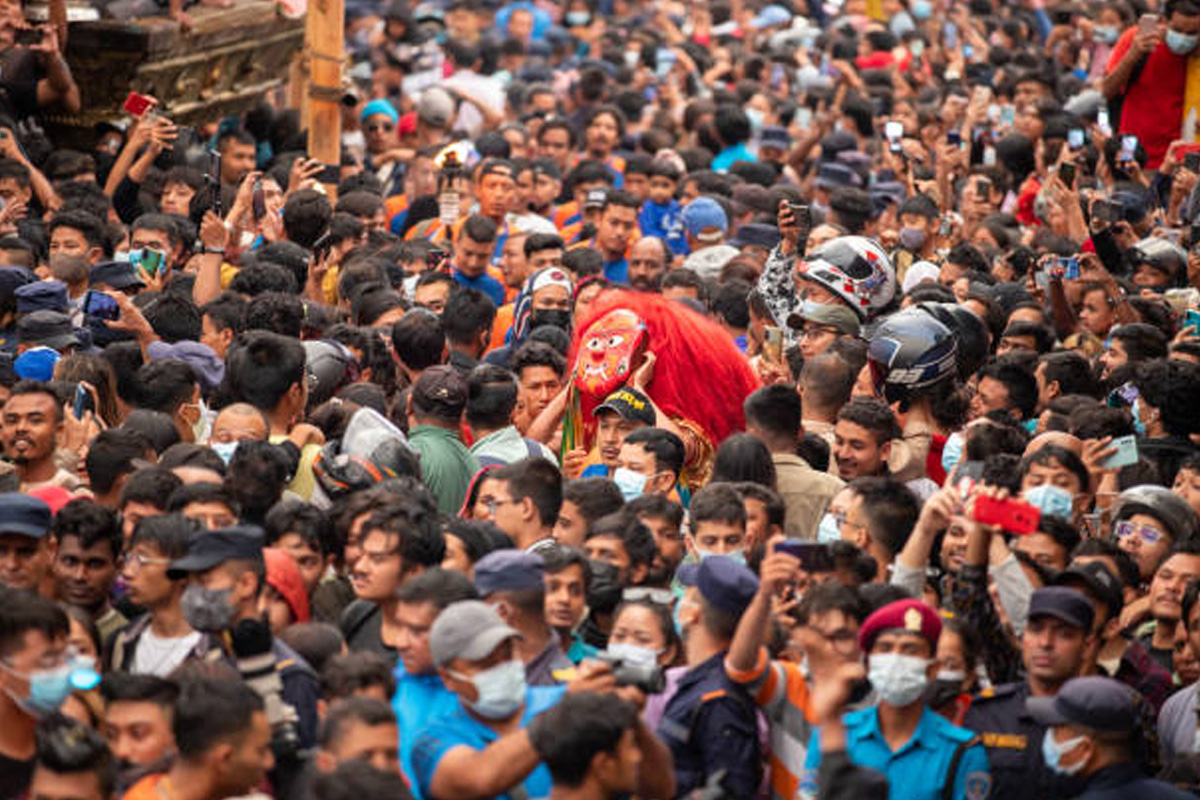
648	678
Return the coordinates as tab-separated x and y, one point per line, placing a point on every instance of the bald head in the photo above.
649	259
240	421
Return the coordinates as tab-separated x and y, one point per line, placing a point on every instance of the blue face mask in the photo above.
48	689
631	483
577	19
737	555
1051	500
756	118
952	452
121	258
921	9
828	531
1105	34
1138	424
224	449
1053	751
1181	43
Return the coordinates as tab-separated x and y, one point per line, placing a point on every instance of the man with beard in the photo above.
137	721
87	550
32	425
649	260
664	519
226	577
603	132
77	243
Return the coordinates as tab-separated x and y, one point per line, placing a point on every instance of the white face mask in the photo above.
899	680
501	689
634	653
828	531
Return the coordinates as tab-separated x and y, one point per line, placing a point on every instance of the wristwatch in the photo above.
218	250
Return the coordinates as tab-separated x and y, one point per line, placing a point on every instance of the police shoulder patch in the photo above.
978	785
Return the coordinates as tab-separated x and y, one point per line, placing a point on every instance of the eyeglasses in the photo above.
818	330
379	126
841	520
1147	533
136	561
491	504
660	597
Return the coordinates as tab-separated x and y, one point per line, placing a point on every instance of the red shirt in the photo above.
1153	108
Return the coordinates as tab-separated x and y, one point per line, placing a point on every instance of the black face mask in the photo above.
942	692
559	318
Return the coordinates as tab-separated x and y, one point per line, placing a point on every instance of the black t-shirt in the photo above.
16	776
19	76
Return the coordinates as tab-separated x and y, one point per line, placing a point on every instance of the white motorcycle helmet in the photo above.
856	269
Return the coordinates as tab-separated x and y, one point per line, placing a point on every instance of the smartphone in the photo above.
1129	146
1070	267
1106	211
813	556
776	77
893	130
330	173
954	138
983	188
83	402
1191	319
1066	171
772	349
1191	162
1075	138
258	202
804	117
1127	453
1008	115
664	59
153	262
803	215
1103	122
1014	516
213	179
28	36
136	104
100	306
1147	23
950	36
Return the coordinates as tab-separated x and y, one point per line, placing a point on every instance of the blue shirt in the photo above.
458	728
484	283
726	158
917	771
418	699
617	271
595	471
665	222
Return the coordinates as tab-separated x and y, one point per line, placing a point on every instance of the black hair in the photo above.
66	747
111	455
1171	387
873	415
278	312
306	521
165	385
89	226
1142	342
174	318
438	587
742	457
537	242
620	198
658	506
633	533
190	493
226	311
419	339
478	228
479	537
158	428
570	735
891	510
262	367
211	711
1051	453
666	447
414	519
1018	382
771	500
717	502
348	673
168	533
1072	371
469	313
306	216
559	557
594	497
729	304
27	387
1064	534
91	524
537	354
316	642
830	596
126	687
539	480
22	612
357	780
491	397
151	485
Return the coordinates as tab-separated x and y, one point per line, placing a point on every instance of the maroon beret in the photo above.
910	616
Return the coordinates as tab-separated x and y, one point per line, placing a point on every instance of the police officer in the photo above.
1053	649
710	722
924	756
1093	730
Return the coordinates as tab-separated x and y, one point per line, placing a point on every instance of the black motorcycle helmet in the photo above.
911	353
969	331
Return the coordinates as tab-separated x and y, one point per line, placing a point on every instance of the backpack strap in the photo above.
955	762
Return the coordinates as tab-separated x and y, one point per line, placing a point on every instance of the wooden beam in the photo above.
324	53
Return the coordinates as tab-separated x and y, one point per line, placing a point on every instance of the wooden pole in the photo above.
58	20
323	35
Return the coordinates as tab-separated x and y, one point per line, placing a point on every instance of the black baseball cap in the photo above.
1068	605
629	404
207	549
1103	704
1098	580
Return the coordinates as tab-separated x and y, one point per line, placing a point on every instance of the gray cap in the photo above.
835	315
468	629
435	107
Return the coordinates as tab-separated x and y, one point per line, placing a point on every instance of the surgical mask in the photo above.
900	680
828	530
208	610
1138	424
634	654
1053	751
558	317
921	9
916	47
952	452
577	19
756	118
632	58
1181	43
501	689
48	688
1051	500
1105	33
912	238
223	449
631	483
737	555
121	257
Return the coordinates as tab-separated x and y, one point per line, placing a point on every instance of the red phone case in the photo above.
136	104
1014	516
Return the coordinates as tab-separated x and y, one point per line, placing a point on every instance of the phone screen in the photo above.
1075	138
258	201
101	306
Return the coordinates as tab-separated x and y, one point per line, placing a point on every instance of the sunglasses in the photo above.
380	126
662	597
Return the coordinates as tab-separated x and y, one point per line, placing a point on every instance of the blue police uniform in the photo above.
458	729
919	769
1013	740
1123	781
418	699
710	724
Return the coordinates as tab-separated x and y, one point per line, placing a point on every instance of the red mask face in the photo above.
608	352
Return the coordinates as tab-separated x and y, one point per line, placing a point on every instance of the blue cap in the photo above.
13	278
117	275
771	16
727	584
42	296
1094	702
756	234
508	570
1067	605
832	175
207	549
200	357
37	364
23	515
379	106
704	218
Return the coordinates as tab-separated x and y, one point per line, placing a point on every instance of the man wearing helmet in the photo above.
853	271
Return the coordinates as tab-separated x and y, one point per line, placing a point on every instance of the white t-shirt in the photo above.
158	656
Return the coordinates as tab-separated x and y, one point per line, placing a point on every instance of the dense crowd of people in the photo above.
711	399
